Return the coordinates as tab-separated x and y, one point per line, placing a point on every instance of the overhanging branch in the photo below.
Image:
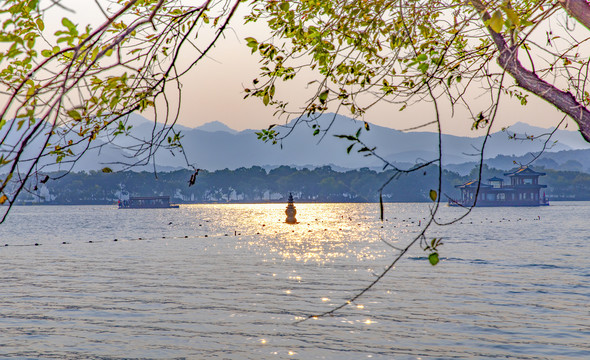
528	80
578	9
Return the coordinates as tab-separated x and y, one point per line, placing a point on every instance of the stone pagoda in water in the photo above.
291	211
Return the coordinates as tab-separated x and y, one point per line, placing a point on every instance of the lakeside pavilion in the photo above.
524	190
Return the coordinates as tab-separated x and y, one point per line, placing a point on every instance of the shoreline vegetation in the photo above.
240	202
256	185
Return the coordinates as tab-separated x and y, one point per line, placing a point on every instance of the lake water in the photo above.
230	281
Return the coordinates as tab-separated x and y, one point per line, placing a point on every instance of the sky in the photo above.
214	90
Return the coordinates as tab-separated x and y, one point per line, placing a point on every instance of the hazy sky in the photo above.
213	91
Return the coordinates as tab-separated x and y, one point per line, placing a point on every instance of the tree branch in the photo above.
528	80
578	9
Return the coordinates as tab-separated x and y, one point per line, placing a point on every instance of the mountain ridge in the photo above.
215	146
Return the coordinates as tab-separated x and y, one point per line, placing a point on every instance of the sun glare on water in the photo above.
324	233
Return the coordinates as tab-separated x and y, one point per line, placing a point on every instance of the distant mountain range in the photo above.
215	146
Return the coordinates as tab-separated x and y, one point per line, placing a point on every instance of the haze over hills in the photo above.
215	146
211	147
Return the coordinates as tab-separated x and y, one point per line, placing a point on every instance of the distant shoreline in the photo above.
261	202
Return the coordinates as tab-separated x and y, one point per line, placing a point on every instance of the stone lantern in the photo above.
291	211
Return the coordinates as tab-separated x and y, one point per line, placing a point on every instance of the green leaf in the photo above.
433	195
324	96
252	43
284	6
423	68
433	258
40	24
74	114
347	137
107	170
349	148
422	57
496	22
68	24
512	15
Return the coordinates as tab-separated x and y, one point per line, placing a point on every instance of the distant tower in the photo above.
291	211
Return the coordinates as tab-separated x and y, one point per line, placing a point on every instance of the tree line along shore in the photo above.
255	184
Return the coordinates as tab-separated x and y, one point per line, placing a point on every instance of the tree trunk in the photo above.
528	80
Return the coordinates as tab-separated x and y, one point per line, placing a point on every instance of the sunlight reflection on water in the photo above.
228	281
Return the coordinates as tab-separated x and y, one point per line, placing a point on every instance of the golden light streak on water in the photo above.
324	234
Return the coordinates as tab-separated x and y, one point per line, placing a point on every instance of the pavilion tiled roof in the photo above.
472	184
524	170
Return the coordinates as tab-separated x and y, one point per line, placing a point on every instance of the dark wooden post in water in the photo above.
291	211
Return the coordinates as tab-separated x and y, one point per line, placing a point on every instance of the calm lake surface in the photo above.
229	282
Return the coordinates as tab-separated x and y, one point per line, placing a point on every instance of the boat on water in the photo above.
147	202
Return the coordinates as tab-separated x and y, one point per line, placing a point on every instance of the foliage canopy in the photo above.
410	51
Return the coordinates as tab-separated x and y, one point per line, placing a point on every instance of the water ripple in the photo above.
228	282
